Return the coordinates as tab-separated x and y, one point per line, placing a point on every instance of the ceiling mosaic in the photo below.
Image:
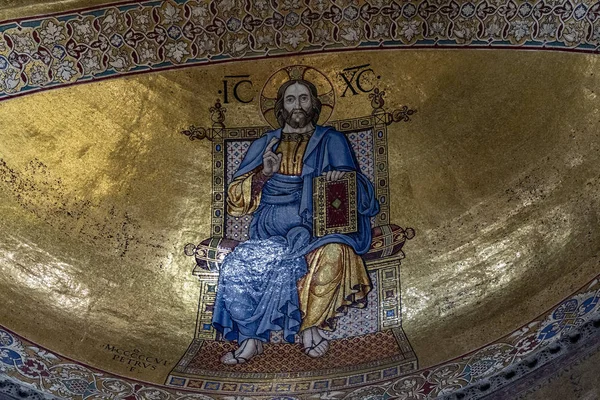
297	199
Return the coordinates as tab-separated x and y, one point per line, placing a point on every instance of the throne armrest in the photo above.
209	254
387	241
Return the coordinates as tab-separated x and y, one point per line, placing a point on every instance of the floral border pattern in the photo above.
58	376
135	37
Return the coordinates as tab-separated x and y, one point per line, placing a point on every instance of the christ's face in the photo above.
297	106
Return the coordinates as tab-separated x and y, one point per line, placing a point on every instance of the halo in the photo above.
325	91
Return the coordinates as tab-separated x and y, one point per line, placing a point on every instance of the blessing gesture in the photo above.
271	161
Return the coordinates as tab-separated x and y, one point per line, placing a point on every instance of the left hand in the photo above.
334	175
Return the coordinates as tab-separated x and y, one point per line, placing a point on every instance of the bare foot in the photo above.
247	350
315	345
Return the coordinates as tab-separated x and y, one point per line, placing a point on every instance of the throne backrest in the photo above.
362	143
367	136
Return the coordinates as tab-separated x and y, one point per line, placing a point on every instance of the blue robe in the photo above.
257	283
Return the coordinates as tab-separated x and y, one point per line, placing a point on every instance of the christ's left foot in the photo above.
315	345
318	349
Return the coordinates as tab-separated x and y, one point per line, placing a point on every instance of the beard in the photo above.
298	118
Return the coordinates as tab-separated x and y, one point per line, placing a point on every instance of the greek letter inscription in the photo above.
237	86
135	359
358	79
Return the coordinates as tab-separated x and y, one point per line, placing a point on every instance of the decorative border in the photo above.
56	50
530	374
53	374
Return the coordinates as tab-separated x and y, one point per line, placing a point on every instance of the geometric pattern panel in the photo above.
235	152
289	358
236	227
359	321
362	144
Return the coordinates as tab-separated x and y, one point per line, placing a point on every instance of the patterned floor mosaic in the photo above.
286	357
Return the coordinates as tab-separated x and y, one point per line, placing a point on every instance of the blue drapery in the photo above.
257	282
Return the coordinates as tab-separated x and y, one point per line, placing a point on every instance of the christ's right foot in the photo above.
247	350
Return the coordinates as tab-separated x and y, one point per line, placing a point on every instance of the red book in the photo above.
334	205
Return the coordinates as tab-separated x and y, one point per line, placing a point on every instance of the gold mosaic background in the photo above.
498	173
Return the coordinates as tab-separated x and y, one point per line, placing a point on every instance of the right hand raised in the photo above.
271	161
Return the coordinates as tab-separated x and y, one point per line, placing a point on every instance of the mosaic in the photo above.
237	227
349	216
354	324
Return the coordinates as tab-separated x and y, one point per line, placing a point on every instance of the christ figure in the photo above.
284	278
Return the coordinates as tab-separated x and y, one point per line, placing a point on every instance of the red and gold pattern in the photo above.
335	205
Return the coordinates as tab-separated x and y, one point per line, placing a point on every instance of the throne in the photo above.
383	313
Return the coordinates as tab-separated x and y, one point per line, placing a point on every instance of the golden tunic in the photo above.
336	277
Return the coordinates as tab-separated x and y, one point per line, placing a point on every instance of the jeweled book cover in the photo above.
335	205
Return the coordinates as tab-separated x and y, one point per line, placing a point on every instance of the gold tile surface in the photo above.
498	172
